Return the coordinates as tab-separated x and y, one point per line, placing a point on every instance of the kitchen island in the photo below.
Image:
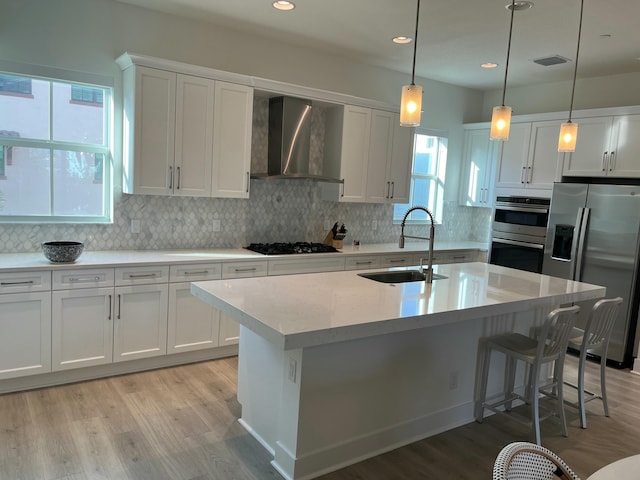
334	368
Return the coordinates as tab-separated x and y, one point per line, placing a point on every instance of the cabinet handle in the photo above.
143	275
239	270
612	163
459	257
84	279
604	161
119	306
393	189
388	189
26	282
529	174
109	317
201	272
248	178
178	180
398	260
364	263
170	178
524	169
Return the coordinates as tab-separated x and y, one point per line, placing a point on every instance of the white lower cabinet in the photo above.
25	334
192	324
229	333
82	327
140	323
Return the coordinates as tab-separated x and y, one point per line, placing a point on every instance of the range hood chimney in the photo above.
289	140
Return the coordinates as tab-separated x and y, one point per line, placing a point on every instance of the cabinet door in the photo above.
154	127
25	334
193	136
624	157
193	325
544	159
233	112
140	323
229	331
379	157
513	157
592	148
81	328
399	174
355	152
478	161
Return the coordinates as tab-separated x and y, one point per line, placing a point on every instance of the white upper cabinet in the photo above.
529	159
479	163
606	146
374	156
232	140
185	135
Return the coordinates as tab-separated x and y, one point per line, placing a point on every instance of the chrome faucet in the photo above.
432	232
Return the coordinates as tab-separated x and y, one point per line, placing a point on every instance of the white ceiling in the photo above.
455	36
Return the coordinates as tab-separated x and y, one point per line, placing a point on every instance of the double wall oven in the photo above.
518	232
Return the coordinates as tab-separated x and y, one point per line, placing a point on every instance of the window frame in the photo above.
436	208
104	149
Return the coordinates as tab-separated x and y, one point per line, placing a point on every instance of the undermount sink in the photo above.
400	276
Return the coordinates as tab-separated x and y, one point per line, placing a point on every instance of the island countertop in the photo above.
305	310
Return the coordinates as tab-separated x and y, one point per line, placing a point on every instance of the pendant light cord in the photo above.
506	67
575	68
415	45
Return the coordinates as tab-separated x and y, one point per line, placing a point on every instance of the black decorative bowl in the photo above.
62	252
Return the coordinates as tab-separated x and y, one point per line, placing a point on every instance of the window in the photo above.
427	177
11	84
55	155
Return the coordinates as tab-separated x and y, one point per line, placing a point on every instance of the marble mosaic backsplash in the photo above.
278	211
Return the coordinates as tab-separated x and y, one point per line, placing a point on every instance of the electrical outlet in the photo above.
374	225
135	226
453	380
293	366
216	226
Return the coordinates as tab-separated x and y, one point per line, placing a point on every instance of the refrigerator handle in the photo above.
583	217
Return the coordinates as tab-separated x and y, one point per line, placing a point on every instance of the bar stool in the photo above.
550	346
596	335
528	461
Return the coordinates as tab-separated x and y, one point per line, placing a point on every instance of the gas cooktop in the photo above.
290	248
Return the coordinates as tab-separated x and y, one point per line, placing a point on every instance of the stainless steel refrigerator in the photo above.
593	236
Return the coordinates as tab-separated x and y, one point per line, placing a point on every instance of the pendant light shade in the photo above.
501	118
568	137
569	130
411	100
500	123
411	105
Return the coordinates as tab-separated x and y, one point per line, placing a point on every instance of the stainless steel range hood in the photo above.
289	140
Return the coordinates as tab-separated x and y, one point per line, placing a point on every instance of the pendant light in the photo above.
501	117
569	130
411	102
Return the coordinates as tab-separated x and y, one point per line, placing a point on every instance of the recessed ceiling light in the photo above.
284	5
519	5
402	39
489	65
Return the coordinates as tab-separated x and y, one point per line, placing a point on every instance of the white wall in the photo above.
598	92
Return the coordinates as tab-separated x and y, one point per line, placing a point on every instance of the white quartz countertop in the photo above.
110	258
295	311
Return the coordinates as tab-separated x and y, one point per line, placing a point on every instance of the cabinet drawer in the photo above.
454	257
195	272
142	275
362	261
83	278
305	265
38	281
244	269
395	260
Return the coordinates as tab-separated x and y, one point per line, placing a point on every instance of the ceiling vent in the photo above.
552	60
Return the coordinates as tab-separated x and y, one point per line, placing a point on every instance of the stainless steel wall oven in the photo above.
518	232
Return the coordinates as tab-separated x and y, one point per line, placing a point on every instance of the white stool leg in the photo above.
484	361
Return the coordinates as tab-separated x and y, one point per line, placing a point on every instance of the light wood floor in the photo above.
181	423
